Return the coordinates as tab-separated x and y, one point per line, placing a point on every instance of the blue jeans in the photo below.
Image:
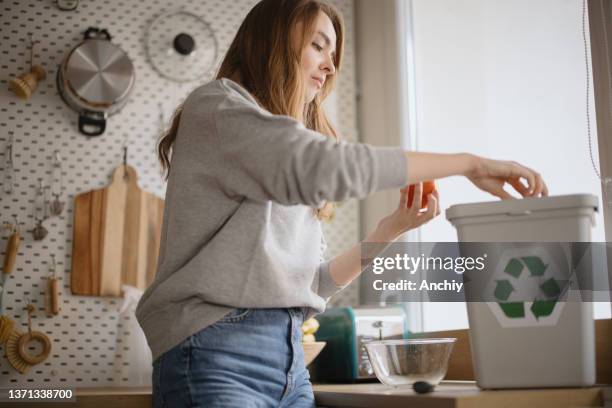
250	358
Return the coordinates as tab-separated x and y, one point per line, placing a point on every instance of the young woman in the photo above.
253	166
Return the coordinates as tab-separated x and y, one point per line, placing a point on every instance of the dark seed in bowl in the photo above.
422	387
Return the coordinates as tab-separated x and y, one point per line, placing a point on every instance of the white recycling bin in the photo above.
533	347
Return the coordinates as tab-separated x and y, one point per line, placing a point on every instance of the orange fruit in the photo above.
428	188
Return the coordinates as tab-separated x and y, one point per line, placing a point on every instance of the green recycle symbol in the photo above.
514	269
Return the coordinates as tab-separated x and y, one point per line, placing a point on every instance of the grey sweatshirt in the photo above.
239	228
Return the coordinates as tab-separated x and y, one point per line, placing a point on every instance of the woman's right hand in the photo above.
492	175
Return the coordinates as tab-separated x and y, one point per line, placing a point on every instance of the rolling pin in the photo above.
11	252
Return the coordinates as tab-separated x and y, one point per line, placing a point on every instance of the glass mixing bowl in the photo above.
406	361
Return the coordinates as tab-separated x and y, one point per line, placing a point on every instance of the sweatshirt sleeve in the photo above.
327	287
274	157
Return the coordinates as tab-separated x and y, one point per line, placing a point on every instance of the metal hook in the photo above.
31	51
57	158
9	150
57	171
125	173
41	202
43	189
53	265
32	43
30	308
9	176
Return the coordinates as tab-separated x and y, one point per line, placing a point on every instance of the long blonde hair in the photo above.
263	59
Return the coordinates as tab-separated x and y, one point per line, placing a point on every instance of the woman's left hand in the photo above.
406	217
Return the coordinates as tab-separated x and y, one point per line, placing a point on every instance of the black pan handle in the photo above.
106	34
92	32
95	32
91	125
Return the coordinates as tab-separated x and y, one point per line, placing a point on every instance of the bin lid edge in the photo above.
532	204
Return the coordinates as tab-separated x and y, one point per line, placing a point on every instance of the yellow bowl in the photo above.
312	350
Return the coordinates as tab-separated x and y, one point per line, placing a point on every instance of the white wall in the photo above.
503	79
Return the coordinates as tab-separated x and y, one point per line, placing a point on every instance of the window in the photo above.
503	79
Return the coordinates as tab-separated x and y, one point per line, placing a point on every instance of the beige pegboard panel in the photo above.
343	232
88	344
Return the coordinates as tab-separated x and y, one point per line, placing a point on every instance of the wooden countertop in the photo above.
459	394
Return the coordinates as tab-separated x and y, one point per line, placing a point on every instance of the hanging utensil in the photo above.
17	346
7	325
95	79
181	46
24	85
57	185
51	293
9	168
39	232
116	235
12	248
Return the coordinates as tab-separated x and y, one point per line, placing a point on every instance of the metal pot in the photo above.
95	79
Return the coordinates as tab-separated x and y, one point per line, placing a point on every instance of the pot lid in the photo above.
99	72
181	46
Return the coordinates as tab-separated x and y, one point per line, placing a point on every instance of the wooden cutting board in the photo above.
116	235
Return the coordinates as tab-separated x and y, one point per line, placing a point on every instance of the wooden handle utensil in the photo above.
11	252
52	297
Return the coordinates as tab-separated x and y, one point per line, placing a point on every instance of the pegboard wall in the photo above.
92	345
